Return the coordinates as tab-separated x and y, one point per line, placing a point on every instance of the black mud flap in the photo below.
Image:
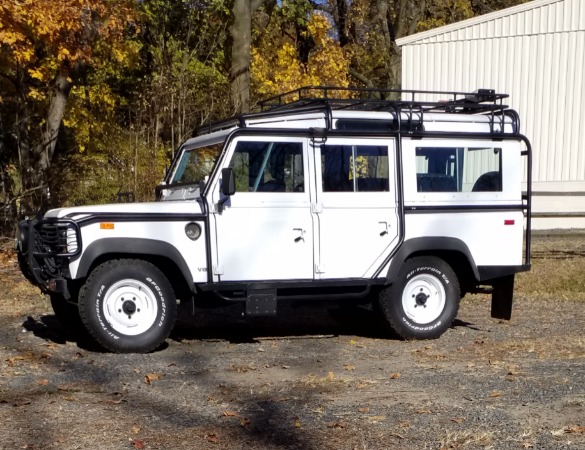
503	297
261	302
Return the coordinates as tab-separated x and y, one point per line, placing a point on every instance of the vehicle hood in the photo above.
77	212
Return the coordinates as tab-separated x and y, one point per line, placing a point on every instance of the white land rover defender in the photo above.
326	193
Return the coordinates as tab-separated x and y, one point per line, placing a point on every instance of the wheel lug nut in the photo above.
138	310
119	310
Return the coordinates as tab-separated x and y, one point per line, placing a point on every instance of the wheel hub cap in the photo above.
130	307
423	299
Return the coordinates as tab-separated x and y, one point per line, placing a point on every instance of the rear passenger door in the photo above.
357	221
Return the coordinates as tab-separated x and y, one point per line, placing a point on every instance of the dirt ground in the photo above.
314	377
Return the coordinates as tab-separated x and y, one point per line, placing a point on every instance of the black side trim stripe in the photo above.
135	217
461	208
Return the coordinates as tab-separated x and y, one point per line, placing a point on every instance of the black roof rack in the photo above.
369	99
413	103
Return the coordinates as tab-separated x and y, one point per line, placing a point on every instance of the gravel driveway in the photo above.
312	378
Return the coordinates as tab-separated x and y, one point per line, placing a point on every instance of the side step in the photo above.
261	302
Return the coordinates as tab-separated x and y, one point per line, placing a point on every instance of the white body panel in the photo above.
165	229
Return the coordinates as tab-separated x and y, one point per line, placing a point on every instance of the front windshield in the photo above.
196	164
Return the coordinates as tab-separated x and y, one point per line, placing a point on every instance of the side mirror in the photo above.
228	182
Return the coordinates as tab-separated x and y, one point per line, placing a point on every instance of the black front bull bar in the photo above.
44	248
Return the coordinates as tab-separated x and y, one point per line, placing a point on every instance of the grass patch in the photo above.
558	268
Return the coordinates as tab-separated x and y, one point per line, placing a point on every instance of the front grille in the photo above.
56	238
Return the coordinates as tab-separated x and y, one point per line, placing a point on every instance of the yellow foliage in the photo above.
277	68
61	27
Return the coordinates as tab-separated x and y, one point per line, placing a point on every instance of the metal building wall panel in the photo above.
537	56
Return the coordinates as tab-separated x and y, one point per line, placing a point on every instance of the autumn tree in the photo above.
294	50
47	49
185	83
368	29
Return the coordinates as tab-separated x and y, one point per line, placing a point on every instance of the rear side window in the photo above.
453	169
354	168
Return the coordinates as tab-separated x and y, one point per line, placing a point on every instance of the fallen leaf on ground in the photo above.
330	376
394	375
212	438
229	413
137	443
297	423
135	429
22	402
424	411
458	419
495	394
244	422
150	377
376	418
364	410
43	382
349	367
575	429
336	425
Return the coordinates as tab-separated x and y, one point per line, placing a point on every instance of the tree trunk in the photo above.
241	43
36	159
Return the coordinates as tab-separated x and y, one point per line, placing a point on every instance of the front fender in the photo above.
132	246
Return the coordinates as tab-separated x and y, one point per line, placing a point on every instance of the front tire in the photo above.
128	306
423	300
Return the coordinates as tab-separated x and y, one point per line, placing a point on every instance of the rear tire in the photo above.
128	306
423	300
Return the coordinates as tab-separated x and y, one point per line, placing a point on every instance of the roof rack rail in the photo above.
412	103
370	99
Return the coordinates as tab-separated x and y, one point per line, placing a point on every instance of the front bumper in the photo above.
44	248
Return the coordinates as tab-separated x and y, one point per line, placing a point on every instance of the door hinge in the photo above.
319	268
218	269
316	208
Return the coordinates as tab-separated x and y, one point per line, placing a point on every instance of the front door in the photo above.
356	206
265	230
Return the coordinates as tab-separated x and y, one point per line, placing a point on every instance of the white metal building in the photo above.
536	53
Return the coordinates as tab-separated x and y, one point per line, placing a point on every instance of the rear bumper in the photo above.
487	273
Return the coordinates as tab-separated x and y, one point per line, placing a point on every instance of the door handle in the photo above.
301	236
384	231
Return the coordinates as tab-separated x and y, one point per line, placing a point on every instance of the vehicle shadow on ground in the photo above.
49	328
301	319
293	320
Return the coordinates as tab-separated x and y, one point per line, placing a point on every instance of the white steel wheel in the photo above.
130	307
423	300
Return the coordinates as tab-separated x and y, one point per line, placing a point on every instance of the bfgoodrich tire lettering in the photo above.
128	306
423	300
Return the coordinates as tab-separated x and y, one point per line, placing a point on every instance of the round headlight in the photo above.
193	231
